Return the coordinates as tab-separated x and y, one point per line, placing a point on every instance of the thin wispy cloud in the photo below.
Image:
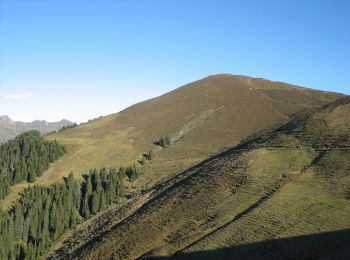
20	96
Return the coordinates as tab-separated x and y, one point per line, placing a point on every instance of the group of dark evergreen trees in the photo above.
131	172
100	190
26	157
43	213
67	127
164	142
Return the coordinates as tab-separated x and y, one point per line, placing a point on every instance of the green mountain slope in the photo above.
289	182
201	118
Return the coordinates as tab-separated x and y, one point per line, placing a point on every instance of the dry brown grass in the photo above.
210	115
240	197
186	206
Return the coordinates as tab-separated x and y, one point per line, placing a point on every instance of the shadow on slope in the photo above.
330	245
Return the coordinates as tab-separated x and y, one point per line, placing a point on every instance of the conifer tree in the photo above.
31	177
24	158
43	213
94	203
102	202
85	209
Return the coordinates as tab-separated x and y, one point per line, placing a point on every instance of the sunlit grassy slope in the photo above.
202	119
289	182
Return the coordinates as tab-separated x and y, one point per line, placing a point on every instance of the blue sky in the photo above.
81	59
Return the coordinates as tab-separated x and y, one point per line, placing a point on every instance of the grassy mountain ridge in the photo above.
202	117
230	198
239	148
250	193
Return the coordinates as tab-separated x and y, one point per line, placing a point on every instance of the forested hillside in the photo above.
42	214
25	158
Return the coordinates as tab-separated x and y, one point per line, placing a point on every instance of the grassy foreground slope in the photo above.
290	182
202	118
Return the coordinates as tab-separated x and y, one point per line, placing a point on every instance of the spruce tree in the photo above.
53	217
85	209
102	203
43	213
24	158
95	203
31	177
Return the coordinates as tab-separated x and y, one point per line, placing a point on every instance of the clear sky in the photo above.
81	59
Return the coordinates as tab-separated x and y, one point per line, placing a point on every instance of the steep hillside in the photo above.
290	182
9	129
201	118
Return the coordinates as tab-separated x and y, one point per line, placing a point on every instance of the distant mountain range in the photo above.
10	129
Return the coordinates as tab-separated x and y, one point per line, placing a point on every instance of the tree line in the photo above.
42	214
26	157
67	127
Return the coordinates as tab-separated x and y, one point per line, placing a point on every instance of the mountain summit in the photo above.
284	193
